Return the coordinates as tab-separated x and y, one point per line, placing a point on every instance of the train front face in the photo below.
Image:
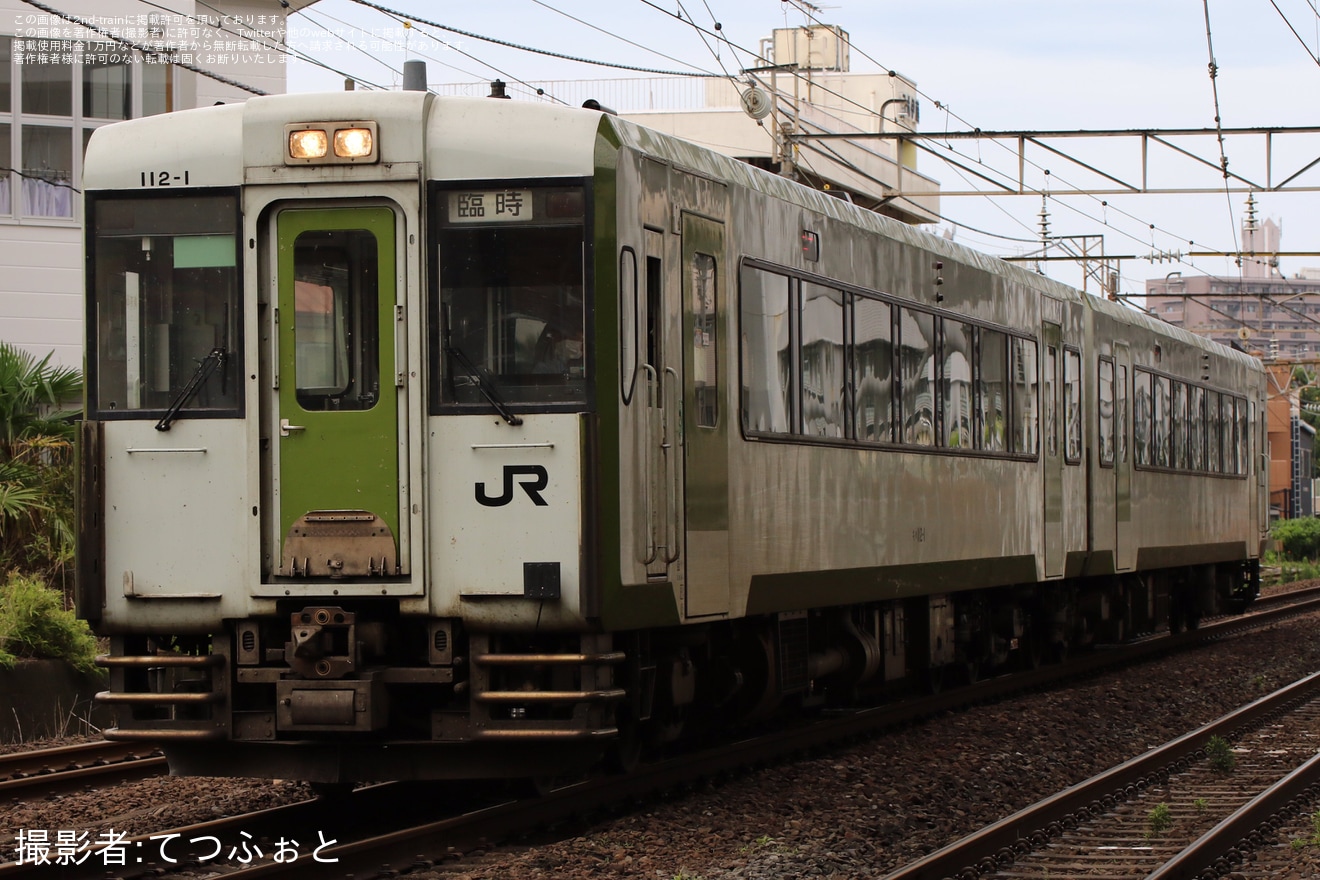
339	420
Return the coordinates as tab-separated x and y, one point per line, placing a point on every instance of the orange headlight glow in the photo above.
353	143
308	144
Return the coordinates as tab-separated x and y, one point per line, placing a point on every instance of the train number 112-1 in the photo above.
164	178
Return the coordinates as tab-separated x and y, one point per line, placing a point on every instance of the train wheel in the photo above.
625	754
1033	653
935	679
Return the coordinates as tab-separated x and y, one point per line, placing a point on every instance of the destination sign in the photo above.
490	206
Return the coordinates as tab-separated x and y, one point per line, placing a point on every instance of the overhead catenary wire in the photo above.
949	113
1219	126
615	36
1314	56
249	34
453	30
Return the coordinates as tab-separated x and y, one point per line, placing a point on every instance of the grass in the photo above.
1314	839
34	624
1220	755
1158	821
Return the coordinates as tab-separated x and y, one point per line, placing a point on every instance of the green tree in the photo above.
37	429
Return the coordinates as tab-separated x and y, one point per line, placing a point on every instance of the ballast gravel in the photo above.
858	812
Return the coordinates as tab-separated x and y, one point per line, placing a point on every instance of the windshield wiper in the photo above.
209	364
484	385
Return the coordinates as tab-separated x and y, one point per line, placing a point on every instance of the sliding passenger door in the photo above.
1123	558
705	425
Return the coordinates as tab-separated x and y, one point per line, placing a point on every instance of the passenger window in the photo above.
767	364
1196	428
1026	381
1105	402
873	370
992	390
629	327
1243	438
1121	410
1214	433
1141	411
705	350
1051	401
917	364
823	412
1180	425
1072	406
1160	423
958	403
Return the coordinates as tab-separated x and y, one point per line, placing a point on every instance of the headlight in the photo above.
307	144
353	143
331	143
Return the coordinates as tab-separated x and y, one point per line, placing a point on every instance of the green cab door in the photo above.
337	490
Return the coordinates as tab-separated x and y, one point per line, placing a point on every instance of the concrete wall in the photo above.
45	698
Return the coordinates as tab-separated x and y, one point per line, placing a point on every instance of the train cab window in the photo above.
1105	404
958	401
337	353
916	355
512	315
767	364
164	301
1072	406
992	390
873	370
1025	372
823	409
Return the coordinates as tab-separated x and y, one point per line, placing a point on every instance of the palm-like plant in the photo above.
37	429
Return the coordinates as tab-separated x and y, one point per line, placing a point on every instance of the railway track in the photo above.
335	828
52	771
1175	811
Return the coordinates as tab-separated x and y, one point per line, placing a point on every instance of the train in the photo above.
436	437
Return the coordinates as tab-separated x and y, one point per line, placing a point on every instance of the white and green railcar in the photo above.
434	437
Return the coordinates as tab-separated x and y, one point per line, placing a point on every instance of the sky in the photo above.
1005	65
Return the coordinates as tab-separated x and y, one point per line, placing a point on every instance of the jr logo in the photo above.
535	479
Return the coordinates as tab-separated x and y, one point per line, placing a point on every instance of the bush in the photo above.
35	624
1299	538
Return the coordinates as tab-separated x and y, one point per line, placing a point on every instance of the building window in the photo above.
52	96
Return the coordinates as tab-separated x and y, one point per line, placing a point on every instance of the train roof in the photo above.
721	167
228	145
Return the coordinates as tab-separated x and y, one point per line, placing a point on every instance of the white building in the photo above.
60	80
